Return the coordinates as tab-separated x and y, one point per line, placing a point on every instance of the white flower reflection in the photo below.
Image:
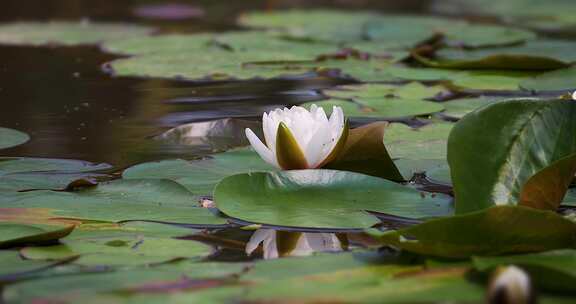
277	244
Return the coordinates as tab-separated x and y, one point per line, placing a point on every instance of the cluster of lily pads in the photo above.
504	170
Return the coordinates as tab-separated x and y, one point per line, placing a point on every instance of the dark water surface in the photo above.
72	109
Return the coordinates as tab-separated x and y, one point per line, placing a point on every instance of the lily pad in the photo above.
534	55
559	80
518	139
17	234
241	55
107	249
13	267
493	231
321	199
200	176
388	31
67	33
153	282
427	142
17	174
457	108
11	138
382	108
121	200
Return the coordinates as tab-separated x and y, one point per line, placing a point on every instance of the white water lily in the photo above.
574	95
300	139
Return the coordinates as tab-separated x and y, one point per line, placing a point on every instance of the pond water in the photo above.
144	192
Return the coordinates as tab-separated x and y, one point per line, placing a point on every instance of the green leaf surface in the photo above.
493	231
67	33
108	249
321	199
558	80
427	142
17	174
200	176
17	234
534	55
387	31
121	200
11	138
517	139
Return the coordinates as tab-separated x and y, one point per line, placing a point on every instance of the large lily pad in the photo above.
321	199
517	139
121	200
493	231
200	176
67	33
10	138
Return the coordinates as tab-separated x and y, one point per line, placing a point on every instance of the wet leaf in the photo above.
67	33
517	139
10	138
457	108
365	153
493	231
321	199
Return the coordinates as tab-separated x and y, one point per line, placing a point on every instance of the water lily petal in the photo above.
265	153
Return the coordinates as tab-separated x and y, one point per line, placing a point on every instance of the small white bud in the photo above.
510	285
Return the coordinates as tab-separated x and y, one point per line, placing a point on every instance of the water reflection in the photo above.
277	244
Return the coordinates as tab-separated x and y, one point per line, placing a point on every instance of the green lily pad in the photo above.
382	108
17	234
67	33
11	138
321	199
123	285
559	80
241	55
534	55
200	176
518	139
457	108
427	142
13	267
570	198
436	170
552	270
121	200
389	31
17	174
493	231
107	249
